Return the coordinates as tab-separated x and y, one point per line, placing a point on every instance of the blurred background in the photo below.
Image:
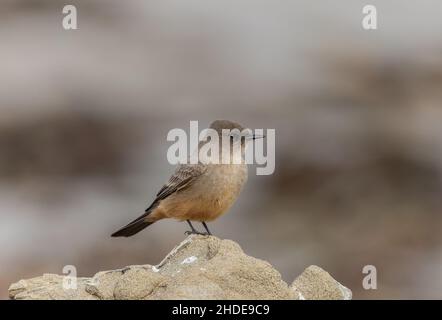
358	119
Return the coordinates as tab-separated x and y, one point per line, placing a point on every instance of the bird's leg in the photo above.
205	227
193	231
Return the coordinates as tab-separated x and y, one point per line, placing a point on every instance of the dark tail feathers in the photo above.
135	226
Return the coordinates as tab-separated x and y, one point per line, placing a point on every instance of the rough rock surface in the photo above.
201	267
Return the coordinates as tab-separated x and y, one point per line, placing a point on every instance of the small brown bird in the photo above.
199	192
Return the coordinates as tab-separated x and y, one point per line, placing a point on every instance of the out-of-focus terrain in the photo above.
358	119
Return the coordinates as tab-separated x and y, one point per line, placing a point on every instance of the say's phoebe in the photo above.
199	192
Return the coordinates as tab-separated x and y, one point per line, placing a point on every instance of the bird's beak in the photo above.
251	136
258	136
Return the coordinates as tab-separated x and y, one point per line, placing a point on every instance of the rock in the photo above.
138	283
201	267
102	285
317	284
48	287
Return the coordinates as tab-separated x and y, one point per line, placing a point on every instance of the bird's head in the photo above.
235	132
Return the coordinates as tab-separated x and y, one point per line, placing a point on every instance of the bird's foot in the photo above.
189	232
194	231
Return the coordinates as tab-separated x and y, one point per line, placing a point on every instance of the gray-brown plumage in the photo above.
197	192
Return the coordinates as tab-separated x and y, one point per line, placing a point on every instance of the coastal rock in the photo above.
201	267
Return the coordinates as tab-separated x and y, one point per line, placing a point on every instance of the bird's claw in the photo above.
189	232
194	231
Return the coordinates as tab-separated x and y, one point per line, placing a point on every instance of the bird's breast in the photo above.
210	195
221	186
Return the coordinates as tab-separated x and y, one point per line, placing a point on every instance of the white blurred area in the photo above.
85	113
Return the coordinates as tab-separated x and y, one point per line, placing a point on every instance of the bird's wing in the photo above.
182	178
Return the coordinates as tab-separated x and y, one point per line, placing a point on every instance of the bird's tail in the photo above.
137	225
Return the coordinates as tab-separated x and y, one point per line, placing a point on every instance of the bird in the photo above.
200	192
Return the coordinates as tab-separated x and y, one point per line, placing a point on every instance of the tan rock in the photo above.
137	283
210	268
102	285
48	287
317	284
201	267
